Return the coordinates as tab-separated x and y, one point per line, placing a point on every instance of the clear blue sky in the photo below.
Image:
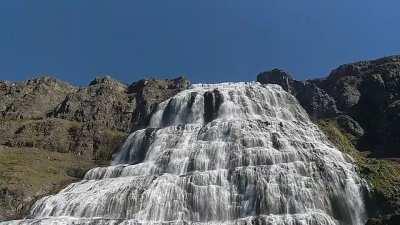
207	40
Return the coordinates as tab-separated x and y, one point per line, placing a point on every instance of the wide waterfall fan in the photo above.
232	153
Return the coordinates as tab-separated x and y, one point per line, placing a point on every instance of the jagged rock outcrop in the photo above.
314	100
31	99
104	102
277	76
82	126
366	92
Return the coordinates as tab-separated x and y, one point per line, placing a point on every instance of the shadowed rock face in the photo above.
314	99
367	92
212	102
277	76
149	93
49	115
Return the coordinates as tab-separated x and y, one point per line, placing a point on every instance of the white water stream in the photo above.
231	153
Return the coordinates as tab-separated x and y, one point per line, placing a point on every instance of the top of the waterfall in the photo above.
231	84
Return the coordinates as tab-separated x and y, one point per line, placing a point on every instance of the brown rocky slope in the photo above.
52	132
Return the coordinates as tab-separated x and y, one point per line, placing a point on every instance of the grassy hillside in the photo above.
28	173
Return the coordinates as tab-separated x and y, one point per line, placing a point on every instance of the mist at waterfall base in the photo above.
230	153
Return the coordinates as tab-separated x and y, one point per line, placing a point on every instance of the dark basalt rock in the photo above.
314	100
367	91
388	220
212	102
276	143
149	93
391	127
140	154
277	76
362	94
349	125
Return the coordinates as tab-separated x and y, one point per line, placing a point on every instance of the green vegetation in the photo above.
49	134
39	158
382	175
111	141
28	173
33	167
342	140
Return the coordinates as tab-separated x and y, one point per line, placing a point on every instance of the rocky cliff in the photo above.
364	97
52	132
358	105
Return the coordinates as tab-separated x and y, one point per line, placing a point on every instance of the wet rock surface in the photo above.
149	93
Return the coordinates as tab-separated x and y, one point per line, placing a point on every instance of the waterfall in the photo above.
230	153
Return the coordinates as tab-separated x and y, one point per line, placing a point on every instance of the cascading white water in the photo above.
231	153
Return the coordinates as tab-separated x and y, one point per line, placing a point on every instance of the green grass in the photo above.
37	157
112	140
340	139
34	168
28	173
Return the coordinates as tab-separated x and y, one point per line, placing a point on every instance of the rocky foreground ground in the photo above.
52	132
